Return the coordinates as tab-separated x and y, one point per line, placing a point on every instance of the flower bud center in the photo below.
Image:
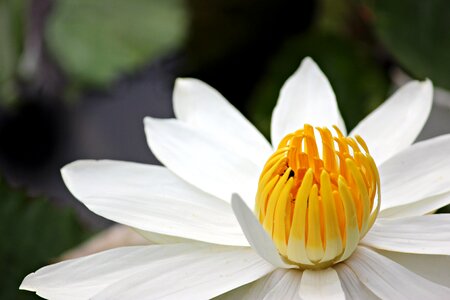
318	204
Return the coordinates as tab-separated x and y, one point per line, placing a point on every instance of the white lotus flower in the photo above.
318	208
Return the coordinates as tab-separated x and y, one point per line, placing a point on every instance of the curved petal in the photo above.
416	173
255	233
204	108
389	280
321	284
432	267
352	286
151	198
145	266
115	236
280	284
396	123
237	293
418	208
306	97
202	161
85	276
423	234
201	275
157	238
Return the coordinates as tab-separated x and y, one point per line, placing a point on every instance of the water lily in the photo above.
334	216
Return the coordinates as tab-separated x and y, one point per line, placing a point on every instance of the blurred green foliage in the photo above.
33	234
11	43
347	59
417	34
94	41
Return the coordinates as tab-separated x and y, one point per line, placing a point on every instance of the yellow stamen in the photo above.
316	197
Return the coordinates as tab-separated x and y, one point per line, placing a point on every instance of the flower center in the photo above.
318	207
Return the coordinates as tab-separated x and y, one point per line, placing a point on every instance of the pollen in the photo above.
318	195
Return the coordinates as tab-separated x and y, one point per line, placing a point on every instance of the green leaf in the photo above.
11	39
359	83
417	34
33	233
96	40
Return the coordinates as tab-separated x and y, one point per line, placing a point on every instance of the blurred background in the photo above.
78	76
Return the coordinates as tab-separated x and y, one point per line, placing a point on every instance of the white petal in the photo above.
201	160
419	172
432	267
201	106
151	198
114	236
418	208
306	97
157	238
146	266
86	276
280	284
264	285
423	234
396	123
238	293
321	284
201	275
352	286
255	233
389	280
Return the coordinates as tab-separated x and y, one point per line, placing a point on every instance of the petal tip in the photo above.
237	203
310	64
149	123
308	60
183	82
188	85
68	169
148	120
428	85
427	81
27	283
425	87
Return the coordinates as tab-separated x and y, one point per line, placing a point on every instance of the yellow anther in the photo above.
317	196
